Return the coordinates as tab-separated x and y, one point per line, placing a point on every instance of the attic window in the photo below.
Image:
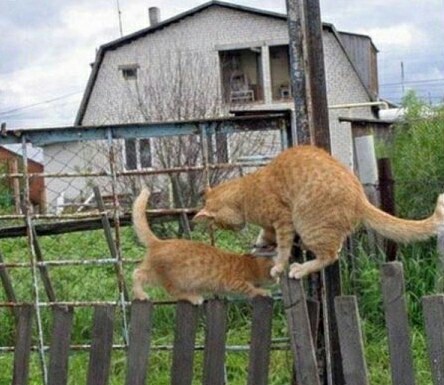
129	71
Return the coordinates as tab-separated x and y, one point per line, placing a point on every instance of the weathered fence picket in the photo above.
434	324
59	348
101	346
22	345
299	329
139	342
184	341
259	359
350	340
214	353
395	309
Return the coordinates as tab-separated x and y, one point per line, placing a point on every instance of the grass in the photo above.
99	283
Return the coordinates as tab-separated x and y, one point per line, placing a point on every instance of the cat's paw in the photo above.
262	293
297	271
196	300
141	297
276	271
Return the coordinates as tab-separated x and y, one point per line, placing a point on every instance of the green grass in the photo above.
99	283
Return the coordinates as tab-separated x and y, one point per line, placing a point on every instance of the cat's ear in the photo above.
203	215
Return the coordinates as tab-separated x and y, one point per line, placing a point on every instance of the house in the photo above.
212	60
11	162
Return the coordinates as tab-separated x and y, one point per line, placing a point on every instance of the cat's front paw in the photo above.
141	296
276	271
297	271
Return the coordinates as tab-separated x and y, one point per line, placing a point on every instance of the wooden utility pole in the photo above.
312	127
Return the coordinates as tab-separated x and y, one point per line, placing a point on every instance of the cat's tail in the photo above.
141	226
404	230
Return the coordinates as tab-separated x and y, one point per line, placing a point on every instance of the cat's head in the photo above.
223	208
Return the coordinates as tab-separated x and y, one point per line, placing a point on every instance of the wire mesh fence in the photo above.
65	202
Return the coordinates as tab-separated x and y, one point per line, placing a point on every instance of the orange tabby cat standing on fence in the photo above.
189	269
304	190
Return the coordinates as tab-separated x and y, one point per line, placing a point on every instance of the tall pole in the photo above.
312	127
298	71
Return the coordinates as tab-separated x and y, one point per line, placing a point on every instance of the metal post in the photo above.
123	293
33	260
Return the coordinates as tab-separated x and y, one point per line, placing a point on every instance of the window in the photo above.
129	71
137	154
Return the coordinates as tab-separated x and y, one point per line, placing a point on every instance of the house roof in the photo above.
115	44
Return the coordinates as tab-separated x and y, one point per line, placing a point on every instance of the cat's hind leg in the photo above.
140	277
285	234
326	252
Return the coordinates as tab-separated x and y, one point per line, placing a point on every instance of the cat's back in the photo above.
309	162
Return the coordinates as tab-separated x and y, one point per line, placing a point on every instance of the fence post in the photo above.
350	338
387	192
395	309
59	349
299	329
214	353
101	346
184	340
259	359
434	323
139	342
23	341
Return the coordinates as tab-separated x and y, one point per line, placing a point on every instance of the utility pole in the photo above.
312	127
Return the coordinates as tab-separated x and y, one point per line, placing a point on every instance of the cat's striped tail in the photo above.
404	230
141	226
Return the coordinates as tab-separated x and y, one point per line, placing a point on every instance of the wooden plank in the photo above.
139	342
259	359
49	290
332	284
111	244
434	325
101	346
214	351
23	339
72	226
317	79
395	309
298	72
184	341
350	340
59	348
387	196
7	285
299	329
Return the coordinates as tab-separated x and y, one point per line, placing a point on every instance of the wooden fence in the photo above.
301	342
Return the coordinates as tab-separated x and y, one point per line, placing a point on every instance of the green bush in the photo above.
417	156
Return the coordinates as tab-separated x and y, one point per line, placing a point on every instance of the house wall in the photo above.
189	48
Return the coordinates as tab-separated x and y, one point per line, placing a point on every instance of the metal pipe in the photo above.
358	105
33	260
74	262
142	172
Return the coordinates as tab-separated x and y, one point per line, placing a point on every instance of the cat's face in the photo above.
221	210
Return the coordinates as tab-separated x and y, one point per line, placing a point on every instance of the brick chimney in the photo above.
154	14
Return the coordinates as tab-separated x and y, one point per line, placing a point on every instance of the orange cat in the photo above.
188	269
304	190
